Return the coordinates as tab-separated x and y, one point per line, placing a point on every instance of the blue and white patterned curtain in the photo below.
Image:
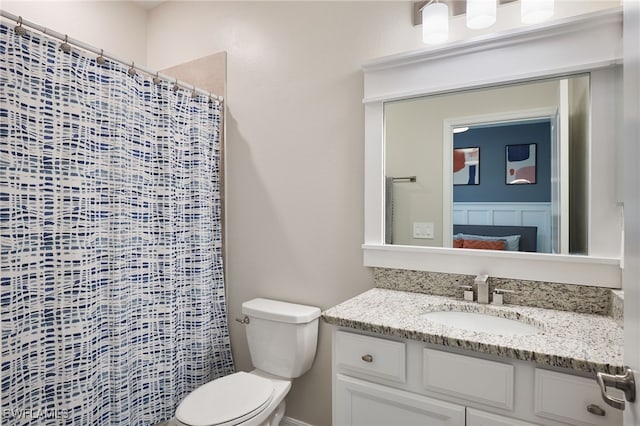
112	292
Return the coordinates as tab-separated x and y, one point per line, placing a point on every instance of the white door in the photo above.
631	274
362	403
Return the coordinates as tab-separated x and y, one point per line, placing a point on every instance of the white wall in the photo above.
118	27
294	150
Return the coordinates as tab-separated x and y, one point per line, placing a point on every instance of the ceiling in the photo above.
147	4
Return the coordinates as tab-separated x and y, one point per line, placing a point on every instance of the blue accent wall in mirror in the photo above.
492	140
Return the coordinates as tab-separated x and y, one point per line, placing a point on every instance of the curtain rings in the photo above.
132	70
175	86
65	46
101	59
194	94
19	29
156	79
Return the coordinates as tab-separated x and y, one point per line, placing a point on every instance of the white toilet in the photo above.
282	341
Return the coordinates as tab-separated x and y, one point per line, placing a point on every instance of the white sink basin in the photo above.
473	321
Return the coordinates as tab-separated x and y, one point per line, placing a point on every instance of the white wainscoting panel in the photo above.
508	214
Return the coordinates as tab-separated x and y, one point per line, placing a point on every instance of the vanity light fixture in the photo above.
534	11
481	13
435	22
434	15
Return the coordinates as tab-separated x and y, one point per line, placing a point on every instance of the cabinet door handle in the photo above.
367	358
596	410
623	382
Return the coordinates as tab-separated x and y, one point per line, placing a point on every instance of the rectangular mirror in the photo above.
564	209
507	163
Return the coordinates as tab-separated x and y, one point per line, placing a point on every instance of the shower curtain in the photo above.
112	292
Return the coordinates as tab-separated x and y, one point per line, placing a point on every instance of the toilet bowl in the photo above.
282	341
246	399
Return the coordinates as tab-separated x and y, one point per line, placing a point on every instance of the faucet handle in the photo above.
468	292
497	295
503	290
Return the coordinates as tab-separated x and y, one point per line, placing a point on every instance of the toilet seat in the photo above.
226	401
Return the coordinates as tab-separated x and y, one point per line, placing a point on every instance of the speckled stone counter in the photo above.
582	342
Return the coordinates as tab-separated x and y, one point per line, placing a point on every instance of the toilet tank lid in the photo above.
276	310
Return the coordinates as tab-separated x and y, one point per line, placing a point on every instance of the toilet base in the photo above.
277	415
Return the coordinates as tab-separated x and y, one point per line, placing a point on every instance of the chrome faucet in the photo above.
482	287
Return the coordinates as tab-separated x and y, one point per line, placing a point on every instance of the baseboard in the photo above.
288	421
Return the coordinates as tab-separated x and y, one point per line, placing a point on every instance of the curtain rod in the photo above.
67	40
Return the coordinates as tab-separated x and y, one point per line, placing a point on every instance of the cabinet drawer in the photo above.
370	355
487	382
565	398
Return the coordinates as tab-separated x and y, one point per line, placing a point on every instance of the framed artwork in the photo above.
521	164
466	166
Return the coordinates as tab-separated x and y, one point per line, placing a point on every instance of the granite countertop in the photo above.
582	342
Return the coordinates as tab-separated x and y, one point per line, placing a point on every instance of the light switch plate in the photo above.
423	230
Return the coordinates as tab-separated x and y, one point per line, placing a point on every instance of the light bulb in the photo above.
534	11
481	13
435	23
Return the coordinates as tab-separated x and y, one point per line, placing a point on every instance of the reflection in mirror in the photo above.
501	168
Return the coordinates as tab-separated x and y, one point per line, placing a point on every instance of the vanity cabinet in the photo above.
389	381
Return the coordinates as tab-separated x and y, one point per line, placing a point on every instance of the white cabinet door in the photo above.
480	418
487	382
573	400
361	403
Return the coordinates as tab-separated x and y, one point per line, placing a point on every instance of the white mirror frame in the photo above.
534	52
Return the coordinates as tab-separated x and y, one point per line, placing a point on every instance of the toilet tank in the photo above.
282	336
